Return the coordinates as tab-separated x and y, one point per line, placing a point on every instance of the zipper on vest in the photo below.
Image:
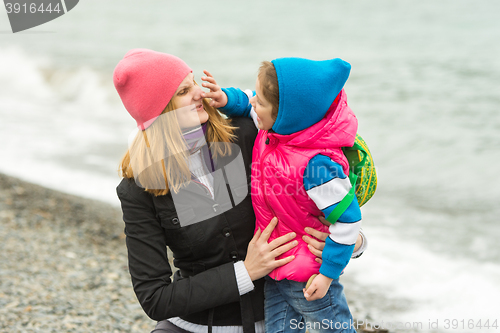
262	178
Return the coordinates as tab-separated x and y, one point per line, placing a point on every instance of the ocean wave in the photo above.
60	125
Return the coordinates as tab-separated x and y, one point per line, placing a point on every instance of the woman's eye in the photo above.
182	92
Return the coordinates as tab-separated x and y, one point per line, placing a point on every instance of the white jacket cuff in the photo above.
243	280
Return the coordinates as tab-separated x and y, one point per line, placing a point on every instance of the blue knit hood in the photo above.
307	88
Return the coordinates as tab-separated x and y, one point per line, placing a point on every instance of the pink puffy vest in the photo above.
277	181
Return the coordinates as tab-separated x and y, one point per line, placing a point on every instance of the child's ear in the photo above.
274	113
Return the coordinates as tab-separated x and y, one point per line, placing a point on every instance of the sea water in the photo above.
424	85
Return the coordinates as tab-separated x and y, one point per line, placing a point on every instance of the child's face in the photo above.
263	108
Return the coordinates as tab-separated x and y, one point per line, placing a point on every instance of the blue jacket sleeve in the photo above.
238	103
326	184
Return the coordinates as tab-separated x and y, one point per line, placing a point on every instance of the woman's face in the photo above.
188	100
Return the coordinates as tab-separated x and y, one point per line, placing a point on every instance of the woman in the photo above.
179	192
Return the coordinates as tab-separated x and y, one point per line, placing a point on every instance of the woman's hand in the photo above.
219	98
314	245
261	256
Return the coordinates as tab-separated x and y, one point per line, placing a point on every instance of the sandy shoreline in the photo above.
63	264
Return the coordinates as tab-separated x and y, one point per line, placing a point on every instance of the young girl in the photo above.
299	172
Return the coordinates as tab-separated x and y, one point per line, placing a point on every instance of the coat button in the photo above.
234	255
175	220
226	232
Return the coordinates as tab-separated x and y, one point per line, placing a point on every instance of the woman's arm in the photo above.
261	255
316	243
151	272
316	246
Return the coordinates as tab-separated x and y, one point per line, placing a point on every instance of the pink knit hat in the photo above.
146	82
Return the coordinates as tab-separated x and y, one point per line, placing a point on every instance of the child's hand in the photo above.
219	98
318	289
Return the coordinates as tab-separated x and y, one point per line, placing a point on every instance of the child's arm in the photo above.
238	102
219	99
326	184
232	102
317	242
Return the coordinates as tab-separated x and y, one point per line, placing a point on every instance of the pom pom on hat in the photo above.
146	82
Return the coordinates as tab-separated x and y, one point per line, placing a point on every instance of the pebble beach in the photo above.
63	264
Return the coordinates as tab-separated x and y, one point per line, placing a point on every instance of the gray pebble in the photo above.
63	264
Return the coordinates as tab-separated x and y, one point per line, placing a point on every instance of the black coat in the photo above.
204	252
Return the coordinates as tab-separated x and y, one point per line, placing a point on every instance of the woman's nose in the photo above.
252	101
197	92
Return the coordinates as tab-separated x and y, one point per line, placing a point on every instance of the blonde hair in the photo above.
269	83
165	135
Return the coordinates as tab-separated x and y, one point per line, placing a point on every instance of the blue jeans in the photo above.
287	310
